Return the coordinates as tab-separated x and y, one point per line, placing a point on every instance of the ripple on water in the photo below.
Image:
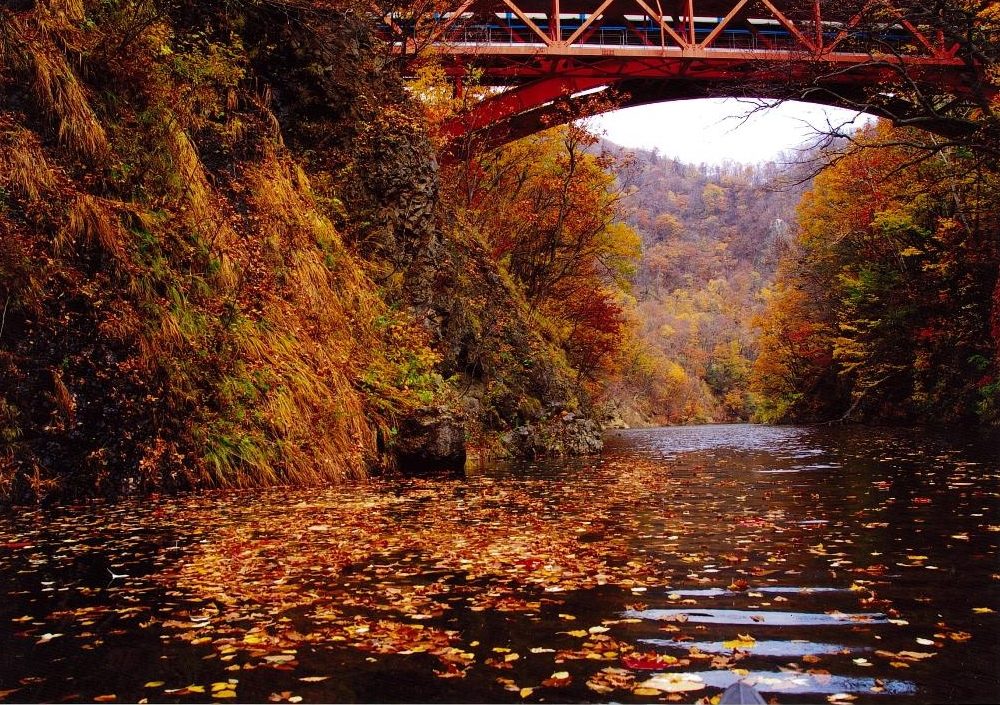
762	617
776	647
779	682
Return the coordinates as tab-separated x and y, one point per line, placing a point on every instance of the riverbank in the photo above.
224	268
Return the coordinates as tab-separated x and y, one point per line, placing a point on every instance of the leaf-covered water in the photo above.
819	565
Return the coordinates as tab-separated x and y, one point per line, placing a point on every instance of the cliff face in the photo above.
224	263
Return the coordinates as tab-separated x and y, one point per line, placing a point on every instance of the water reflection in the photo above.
811	561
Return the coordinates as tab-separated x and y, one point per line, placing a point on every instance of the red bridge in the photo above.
554	57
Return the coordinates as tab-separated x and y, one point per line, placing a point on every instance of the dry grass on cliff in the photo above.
59	91
238	341
23	167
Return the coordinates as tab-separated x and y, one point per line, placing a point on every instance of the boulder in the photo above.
431	438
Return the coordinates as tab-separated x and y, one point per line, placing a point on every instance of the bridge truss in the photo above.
554	57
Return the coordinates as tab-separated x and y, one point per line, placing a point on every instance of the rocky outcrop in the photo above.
432	438
566	434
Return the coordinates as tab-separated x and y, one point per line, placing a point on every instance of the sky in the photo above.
713	130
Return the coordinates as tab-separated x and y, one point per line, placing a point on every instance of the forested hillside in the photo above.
712	238
226	260
882	308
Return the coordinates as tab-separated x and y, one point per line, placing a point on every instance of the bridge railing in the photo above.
735	39
499	35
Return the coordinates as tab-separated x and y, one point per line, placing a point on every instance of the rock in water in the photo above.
432	438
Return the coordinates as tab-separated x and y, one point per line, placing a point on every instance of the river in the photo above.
820	564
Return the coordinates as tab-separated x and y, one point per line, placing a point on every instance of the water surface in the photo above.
817	564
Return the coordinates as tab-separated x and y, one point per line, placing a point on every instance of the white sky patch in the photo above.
715	130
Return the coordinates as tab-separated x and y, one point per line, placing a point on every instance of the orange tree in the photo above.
550	212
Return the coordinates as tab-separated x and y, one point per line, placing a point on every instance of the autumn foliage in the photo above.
550	212
179	305
883	310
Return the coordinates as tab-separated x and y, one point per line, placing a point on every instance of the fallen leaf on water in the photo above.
187	690
646	692
313	679
224	694
576	632
648	661
154	684
559	679
598	630
674	683
525	692
841	697
742	641
279	658
982	610
450	671
105	698
609	679
916	655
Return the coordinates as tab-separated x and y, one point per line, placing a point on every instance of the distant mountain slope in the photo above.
712	238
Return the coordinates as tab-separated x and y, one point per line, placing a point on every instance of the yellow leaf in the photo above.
154	684
224	694
982	610
511	657
646	692
525	692
576	632
105	698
